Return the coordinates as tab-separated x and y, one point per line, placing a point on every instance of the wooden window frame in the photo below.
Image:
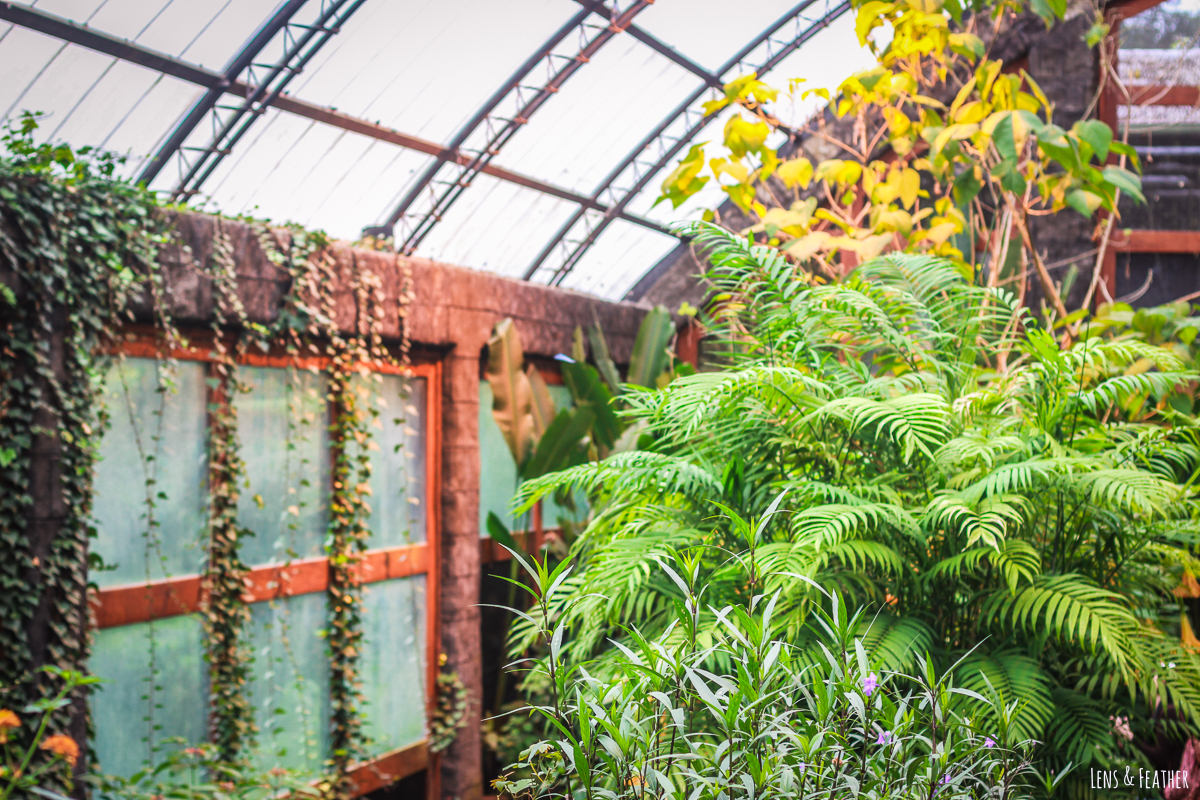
128	604
1139	241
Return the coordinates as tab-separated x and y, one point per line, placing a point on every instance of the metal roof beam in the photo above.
657	45
231	126
205	104
486	133
73	32
667	139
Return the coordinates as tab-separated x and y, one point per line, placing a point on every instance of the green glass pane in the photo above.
283	428
397	460
498	471
126	713
156	436
289	687
393	663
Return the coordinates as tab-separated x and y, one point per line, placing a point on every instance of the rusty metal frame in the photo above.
242	61
485	134
657	149
61	28
265	82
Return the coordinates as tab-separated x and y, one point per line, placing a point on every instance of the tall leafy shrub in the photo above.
989	496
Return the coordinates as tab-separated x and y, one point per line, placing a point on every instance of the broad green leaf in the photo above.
604	362
589	390
649	356
543	404
500	533
560	439
1097	134
1126	181
578	345
684	181
1121	148
743	136
1003	138
796	172
512	396
1083	201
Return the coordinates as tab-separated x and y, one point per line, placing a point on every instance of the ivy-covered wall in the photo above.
247	283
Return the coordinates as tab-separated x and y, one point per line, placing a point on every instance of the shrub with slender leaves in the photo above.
775	720
1016	505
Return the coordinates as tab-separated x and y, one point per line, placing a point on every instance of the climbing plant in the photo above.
78	253
226	615
74	244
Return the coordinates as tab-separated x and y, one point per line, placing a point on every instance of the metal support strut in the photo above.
670	136
265	82
486	133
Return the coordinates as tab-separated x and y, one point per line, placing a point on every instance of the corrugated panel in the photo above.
157	437
206	33
496	226
137	708
618	259
292	169
398	498
709	31
599	115
289	682
392	668
425	67
283	430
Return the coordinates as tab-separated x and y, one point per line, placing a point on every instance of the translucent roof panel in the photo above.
425	67
422	68
293	169
710	32
88	98
496	226
599	115
622	255
206	33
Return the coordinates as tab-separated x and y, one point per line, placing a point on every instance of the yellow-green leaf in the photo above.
797	172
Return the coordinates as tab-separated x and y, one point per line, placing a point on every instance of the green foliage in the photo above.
73	242
658	719
202	773
18	771
78	250
982	491
450	713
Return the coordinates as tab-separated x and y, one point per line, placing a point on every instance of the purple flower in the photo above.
989	741
884	738
946	778
869	684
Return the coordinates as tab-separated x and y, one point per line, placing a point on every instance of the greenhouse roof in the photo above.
524	137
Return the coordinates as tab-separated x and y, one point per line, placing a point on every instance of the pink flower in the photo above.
989	741
869	684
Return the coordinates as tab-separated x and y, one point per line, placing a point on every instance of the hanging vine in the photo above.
78	249
74	247
226	613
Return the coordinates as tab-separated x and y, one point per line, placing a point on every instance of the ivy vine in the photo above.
75	247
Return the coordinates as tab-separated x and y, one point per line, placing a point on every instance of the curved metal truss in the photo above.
663	144
265	82
486	133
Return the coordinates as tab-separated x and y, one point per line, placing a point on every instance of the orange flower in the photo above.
8	721
62	745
